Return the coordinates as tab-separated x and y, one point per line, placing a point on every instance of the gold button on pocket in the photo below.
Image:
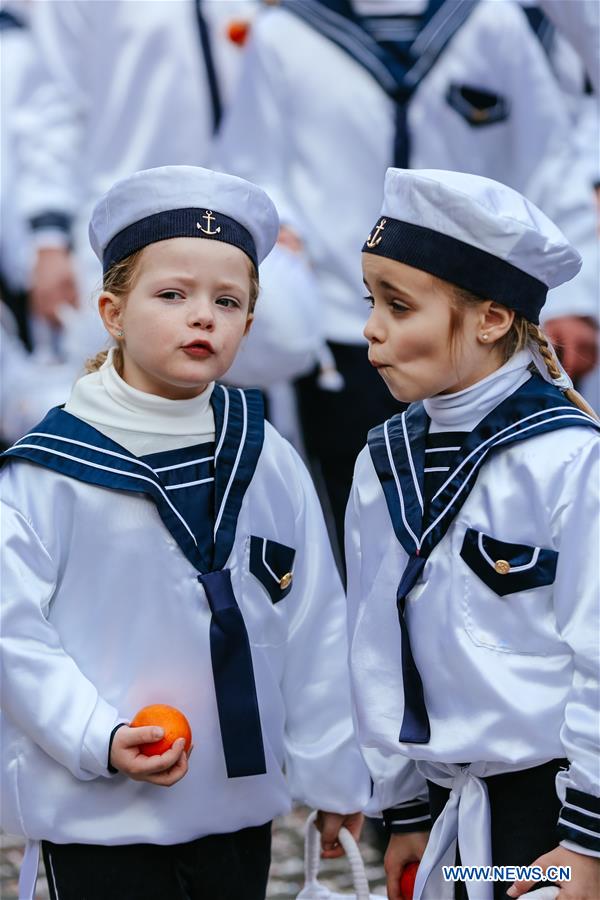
285	581
502	567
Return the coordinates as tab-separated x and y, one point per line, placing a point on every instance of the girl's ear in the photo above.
494	322
249	321
110	309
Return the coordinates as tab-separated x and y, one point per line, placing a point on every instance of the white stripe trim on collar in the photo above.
236	463
225	422
480	460
182	465
398	487
85	462
338	24
410	460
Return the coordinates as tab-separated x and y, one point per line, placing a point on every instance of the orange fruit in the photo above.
238	31
172	720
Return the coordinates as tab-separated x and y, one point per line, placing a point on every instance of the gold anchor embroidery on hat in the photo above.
209	218
375	237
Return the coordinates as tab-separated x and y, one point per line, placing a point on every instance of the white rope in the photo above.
312	857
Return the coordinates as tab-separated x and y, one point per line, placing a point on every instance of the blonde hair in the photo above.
120	280
521	333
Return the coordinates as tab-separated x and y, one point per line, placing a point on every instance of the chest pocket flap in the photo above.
477	106
508	568
273	564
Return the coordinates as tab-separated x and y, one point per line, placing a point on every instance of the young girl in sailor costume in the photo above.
472	537
162	544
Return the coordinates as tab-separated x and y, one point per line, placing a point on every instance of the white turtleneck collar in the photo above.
462	410
142	423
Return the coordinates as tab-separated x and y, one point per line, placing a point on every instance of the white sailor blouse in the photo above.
474	618
202	578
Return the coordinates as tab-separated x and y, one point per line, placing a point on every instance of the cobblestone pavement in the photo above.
286	870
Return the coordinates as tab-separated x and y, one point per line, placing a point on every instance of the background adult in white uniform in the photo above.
120	86
315	122
16	57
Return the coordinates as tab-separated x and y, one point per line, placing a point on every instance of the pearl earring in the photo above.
484	337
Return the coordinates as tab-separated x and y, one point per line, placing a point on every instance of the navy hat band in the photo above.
172	223
468	267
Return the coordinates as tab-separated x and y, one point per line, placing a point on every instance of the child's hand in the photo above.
329	825
585	875
126	756
402	849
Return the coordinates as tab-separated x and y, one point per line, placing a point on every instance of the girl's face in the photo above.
409	333
184	318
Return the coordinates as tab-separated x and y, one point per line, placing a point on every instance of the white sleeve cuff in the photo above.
94	748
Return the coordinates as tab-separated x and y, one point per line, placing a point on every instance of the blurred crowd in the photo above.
312	100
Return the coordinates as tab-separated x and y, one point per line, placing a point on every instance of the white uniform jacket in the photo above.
118	87
493	596
312	124
110	603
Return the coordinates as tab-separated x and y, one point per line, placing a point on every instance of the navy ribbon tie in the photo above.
415	727
235	688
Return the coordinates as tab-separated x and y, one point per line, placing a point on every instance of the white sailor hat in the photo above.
475	233
182	201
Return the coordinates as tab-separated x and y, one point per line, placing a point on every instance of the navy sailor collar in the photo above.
397	66
397	450
67	444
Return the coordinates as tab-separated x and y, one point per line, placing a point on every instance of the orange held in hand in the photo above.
407	880
173	722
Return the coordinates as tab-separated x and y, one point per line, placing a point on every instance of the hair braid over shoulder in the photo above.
541	341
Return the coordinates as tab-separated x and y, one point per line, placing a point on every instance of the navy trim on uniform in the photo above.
209	64
272	564
397	449
415	727
529	567
535	408
541	26
396	63
440	452
470	268
172	223
240	415
406	817
109	765
9	20
68	445
189	483
51	219
478	107
579	820
235	688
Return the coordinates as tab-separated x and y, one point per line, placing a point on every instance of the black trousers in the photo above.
335	424
218	867
524	811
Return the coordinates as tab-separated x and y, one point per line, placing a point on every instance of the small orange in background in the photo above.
238	31
172	720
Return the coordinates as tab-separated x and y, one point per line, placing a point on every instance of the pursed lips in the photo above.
198	348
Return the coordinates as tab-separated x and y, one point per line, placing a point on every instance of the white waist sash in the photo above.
465	819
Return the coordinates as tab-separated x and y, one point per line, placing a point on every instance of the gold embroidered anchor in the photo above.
375	237
209	218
